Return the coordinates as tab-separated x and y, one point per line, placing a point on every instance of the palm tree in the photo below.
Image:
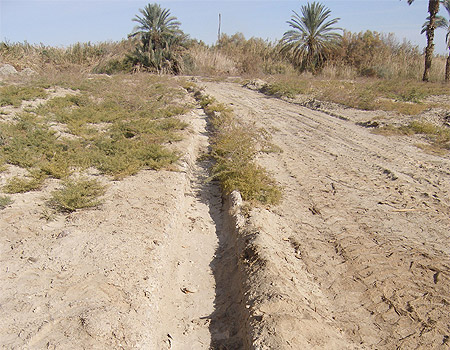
160	38
442	22
433	9
312	35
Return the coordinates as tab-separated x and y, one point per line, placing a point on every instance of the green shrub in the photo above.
233	147
5	201
21	185
117	125
114	66
286	89
13	95
77	194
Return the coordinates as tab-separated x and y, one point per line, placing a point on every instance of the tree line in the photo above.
313	35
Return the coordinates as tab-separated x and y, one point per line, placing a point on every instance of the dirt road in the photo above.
357	254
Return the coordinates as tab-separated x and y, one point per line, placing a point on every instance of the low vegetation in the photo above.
116	125
77	194
14	95
18	184
406	97
438	136
5	201
234	147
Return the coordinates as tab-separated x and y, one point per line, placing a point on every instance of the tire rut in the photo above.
197	289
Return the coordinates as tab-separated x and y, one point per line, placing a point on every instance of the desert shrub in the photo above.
438	136
373	54
77	194
21	185
27	141
287	88
5	201
116	125
404	96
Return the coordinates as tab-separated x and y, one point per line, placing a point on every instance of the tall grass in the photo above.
364	54
80	55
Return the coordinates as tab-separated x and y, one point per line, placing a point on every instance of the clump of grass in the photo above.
57	167
234	147
5	201
77	194
13	95
438	135
27	141
21	185
285	89
413	95
114	66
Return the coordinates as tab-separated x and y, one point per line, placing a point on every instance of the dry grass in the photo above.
438	136
79	57
366	54
402	96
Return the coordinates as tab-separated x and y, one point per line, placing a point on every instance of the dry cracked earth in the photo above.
356	255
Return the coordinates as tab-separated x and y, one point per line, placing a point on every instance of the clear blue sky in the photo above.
64	22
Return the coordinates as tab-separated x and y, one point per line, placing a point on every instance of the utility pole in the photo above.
220	23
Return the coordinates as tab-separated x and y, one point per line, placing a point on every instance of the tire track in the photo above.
364	217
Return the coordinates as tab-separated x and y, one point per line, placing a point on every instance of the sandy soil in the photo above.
357	254
132	274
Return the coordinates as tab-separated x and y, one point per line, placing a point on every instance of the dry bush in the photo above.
77	194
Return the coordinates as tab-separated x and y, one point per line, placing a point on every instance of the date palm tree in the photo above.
433	9
160	38
312	35
444	23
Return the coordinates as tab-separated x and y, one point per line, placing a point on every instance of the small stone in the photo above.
62	234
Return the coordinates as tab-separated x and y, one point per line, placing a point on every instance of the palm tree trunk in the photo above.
447	69
433	9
